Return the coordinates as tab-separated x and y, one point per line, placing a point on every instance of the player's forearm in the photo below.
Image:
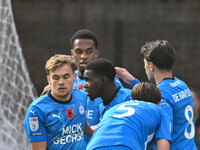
38	145
163	144
88	131
123	74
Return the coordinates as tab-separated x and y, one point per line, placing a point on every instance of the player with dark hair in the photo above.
99	76
159	57
150	91
134	124
57	119
84	45
84	34
84	48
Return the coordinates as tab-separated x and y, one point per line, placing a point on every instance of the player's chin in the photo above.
81	68
91	97
63	94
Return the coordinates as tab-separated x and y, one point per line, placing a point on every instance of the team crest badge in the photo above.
33	123
81	109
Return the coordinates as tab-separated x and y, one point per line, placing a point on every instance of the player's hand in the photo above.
123	74
46	89
94	127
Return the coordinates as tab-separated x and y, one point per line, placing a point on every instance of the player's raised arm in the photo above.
123	74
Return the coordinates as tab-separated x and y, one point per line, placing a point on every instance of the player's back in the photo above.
130	124
122	94
178	103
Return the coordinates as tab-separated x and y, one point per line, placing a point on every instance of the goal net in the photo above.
16	88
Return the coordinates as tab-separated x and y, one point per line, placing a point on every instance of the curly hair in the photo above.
84	34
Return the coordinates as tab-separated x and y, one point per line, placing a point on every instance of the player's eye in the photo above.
66	76
55	77
78	51
89	52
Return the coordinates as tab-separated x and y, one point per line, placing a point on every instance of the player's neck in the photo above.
160	75
109	93
80	74
61	99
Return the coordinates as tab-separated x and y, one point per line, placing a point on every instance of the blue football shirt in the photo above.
132	124
178	103
121	95
93	114
60	124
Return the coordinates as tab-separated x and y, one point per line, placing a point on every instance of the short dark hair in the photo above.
160	52
146	91
84	34
102	67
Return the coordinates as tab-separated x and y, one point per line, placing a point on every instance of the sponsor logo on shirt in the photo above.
34	134
58	116
33	112
33	123
175	83
163	103
90	114
71	133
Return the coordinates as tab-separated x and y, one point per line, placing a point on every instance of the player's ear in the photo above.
72	52
96	53
103	80
152	66
48	80
74	77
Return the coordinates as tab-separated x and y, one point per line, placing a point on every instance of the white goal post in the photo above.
16	88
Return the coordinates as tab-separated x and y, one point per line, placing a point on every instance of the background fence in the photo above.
122	27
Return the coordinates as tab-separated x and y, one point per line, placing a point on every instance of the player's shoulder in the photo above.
79	95
76	71
155	109
124	90
149	105
171	83
77	92
41	102
117	82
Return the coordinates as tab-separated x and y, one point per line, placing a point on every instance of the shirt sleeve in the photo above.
134	82
164	129
118	82
35	125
